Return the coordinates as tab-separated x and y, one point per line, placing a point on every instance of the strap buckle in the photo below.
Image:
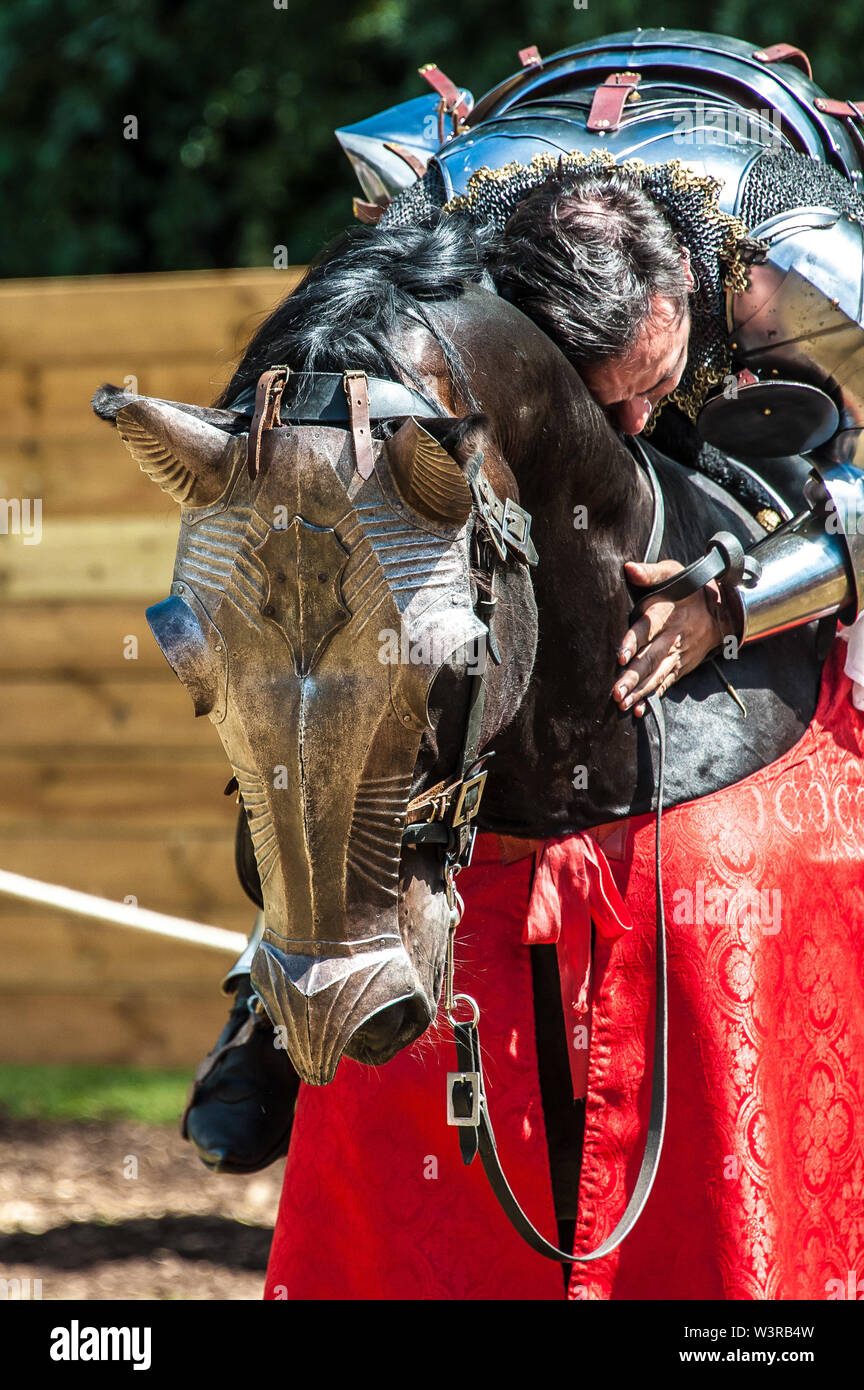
516	531
463	1099
356	387
508	523
468	800
607	105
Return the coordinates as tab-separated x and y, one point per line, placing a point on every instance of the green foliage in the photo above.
93	1093
236	106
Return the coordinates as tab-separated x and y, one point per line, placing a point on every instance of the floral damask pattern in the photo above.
760	1193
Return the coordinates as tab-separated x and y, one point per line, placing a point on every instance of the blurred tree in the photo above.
199	133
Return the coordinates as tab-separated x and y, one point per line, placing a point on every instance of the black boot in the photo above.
241	1105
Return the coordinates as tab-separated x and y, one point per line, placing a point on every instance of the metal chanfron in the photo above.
311	610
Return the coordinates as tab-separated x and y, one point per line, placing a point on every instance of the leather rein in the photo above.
467	1103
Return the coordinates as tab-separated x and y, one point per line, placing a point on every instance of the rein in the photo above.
467	1103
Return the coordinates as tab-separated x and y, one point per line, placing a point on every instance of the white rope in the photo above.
121	914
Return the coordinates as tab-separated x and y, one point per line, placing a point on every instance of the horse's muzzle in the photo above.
322	1001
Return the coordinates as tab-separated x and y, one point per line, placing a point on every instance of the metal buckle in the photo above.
464	1078
516	525
461	812
516	531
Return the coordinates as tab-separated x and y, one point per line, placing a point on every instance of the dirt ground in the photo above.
126	1211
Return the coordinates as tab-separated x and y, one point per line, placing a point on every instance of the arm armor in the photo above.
812	566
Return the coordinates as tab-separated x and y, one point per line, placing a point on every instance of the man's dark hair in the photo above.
583	256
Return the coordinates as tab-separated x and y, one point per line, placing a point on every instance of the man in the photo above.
592	260
636	273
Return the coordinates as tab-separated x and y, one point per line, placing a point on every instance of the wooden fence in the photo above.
107	782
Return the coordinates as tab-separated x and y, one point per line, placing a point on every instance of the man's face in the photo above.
629	387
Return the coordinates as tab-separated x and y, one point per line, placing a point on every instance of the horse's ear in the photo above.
430	468
187	457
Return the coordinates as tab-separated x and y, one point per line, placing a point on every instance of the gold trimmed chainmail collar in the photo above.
719	245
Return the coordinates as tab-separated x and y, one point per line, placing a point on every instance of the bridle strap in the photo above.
265	416
658	521
357	395
319	398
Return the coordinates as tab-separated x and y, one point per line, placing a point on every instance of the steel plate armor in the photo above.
760	174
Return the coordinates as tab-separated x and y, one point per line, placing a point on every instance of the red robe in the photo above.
760	1192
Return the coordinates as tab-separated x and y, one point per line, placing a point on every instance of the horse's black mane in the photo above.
347	311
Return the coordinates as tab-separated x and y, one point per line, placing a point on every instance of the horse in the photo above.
291	574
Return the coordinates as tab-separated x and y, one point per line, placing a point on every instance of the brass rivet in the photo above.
766	412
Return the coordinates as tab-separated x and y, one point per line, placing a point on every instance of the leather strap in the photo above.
319	398
658	523
854	110
467	1101
408	156
268	395
785	53
454	103
357	393
369	214
609	100
724	559
470	1108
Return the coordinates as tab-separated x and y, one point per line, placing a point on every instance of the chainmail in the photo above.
780	180
716	241
417	204
719	244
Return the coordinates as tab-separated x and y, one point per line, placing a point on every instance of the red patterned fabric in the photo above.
573	884
376	1202
760	1193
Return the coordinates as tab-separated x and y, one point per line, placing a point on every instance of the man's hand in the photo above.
669	640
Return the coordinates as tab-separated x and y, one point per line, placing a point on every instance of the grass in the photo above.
93	1093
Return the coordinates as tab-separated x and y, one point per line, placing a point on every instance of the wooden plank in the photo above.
183	875
127	1028
90	476
107	557
158	792
69	954
95	712
177	314
79	640
57	407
